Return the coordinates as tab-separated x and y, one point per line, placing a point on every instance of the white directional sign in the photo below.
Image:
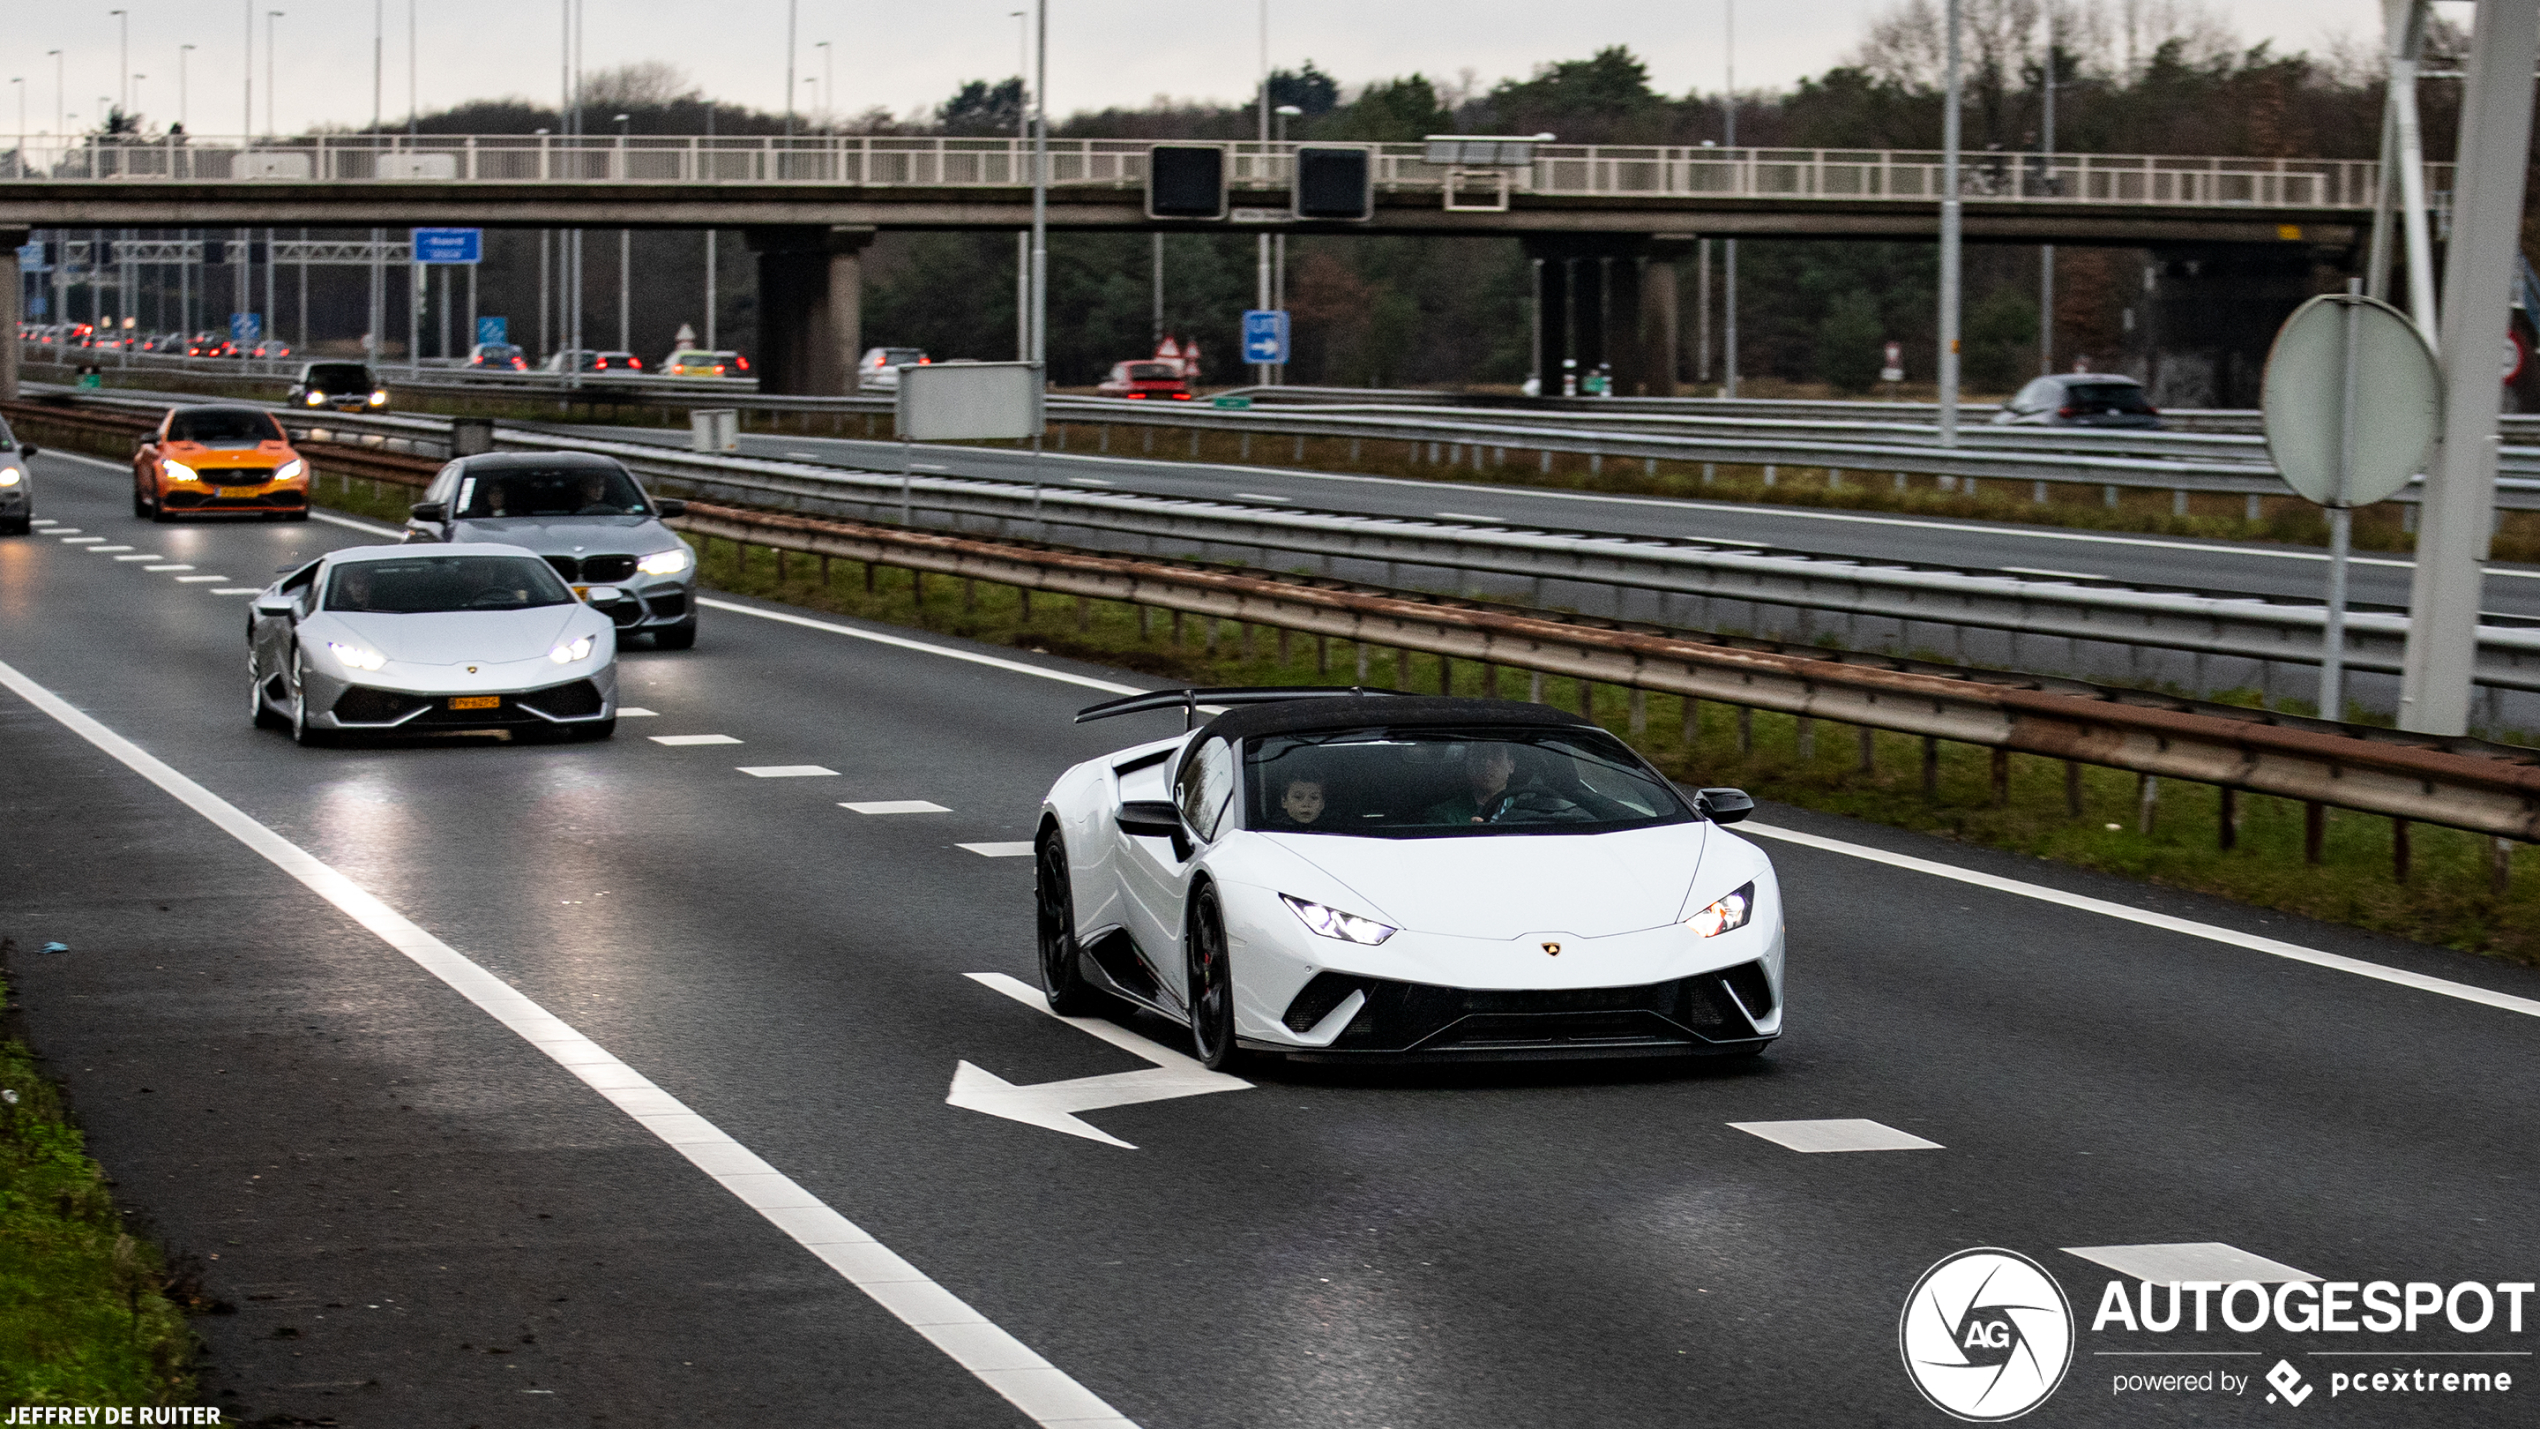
1054	1105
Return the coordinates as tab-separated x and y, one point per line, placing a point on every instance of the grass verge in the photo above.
2451	892
86	1314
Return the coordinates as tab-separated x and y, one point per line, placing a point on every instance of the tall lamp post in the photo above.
270	17
1023	239
1949	256
2046	177
1728	248
1262	371
123	58
625	254
790	7
1279	242
183	53
828	83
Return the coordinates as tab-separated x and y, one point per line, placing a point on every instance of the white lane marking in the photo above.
237	590
83	540
154	570
897	806
688	739
2503	1001
352	523
1062	676
1840	1134
198	580
147	557
42	521
787	771
1089	481
2053	575
1005	1364
1007	850
1258	496
804	456
1470	519
108	550
636	712
2191	1260
1053	1105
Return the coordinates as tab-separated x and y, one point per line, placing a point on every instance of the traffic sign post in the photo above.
245	328
449	245
1265	336
2329	355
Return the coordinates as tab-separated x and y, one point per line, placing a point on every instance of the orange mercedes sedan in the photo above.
209	460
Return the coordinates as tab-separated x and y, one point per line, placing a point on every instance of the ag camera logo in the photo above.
1986	1335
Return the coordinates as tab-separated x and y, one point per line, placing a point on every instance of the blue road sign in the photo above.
37	307
246	327
449	245
1265	335
491	330
31	259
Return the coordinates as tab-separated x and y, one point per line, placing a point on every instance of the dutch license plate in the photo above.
582	592
476	702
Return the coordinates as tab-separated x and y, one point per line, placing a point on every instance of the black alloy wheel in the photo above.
1054	906
1212	983
140	506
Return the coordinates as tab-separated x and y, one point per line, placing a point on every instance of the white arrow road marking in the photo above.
1053	1105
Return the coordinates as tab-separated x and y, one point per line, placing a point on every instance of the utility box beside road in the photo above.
714	429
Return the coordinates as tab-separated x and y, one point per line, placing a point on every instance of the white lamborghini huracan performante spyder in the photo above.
1340	873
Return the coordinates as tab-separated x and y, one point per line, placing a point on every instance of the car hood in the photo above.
1502	886
571	535
483	637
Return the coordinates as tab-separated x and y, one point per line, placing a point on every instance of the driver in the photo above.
592	495
1488	766
352	588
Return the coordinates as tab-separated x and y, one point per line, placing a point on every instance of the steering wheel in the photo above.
1532	806
494	596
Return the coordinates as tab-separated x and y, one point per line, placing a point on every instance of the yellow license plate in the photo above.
476	702
582	592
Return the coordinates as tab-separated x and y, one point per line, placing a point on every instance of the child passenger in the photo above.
1303	802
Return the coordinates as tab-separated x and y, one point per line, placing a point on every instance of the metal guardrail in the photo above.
2462	784
894	161
1685	578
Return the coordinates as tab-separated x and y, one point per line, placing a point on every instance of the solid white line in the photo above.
1005	1364
2502	1001
878	638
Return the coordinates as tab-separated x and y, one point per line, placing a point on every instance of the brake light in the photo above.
1137	396
1181	396
2068	411
744	363
925	361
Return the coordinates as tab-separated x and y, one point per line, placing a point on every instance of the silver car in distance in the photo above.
408	640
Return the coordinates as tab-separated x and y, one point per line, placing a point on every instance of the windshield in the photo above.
549	491
424	584
1153	372
223	424
339	377
1427	783
902	356
2101	398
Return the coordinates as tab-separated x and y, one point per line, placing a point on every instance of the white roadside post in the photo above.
2460	489
2333	350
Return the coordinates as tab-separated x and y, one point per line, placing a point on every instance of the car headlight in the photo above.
290	469
1333	923
177	470
571	651
315	399
1725	914
10	476
667	563
355	657
379	398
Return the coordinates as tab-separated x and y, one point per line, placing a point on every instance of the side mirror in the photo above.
274	605
1154	819
430	511
667	509
26	449
1723	806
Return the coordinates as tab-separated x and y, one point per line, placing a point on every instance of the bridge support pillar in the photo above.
12	295
2207	317
811	308
1552	319
1607	300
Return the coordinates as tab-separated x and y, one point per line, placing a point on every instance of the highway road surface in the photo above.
597	1084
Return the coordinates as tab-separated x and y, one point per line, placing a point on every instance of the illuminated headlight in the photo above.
566	654
10	476
667	563
315	399
1724	915
177	470
290	469
379	398
1333	923
355	657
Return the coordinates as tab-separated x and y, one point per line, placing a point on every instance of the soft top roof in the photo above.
539	461
1313	715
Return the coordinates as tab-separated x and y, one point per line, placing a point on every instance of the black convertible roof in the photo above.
541	461
1398	711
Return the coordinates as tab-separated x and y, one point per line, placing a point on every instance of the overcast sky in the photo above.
909	54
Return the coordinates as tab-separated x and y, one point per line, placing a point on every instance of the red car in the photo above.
1145	381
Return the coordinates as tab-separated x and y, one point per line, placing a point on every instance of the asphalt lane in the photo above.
1516	1246
2297	572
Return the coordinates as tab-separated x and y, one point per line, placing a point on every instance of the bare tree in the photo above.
645	84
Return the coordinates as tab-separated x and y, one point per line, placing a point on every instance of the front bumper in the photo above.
338	703
292	495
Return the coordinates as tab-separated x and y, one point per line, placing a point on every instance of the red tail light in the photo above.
1181	396
2068	411
744	363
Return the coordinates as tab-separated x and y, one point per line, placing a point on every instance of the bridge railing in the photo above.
892	161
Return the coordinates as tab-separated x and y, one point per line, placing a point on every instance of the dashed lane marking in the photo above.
80	540
1006	850
109	550
787	771
636	712
2502	1001
198	580
688	739
145	556
237	590
156	570
896	806
1044	1392
2191	1260
1842	1134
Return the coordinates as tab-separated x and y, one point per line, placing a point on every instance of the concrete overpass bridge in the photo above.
809	204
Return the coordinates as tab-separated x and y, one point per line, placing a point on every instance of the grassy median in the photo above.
2455	889
86	1317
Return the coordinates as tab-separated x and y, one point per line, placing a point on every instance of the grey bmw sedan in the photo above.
585	514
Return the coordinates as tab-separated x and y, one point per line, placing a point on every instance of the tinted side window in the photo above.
1205	788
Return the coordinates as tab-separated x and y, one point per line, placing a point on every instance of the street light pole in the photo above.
1949	257
1279	242
2046	176
378	60
625	256
790	7
828	82
1728	248
270	17
1261	372
413	88
1040	228
123	58
1023	238
183	52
